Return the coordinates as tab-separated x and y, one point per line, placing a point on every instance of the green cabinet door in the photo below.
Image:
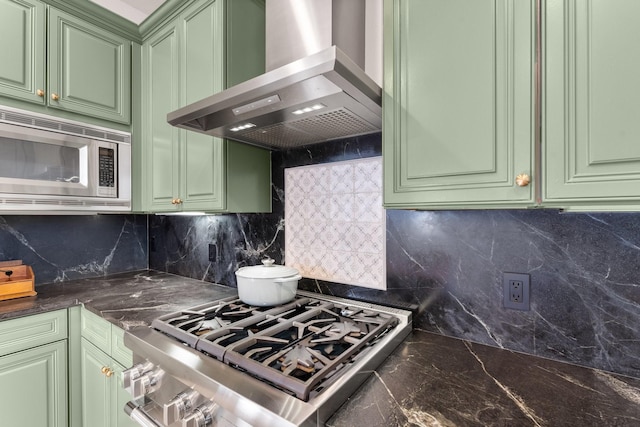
102	353
89	69
458	103
591	86
184	61
22	45
33	387
201	74
160	95
120	397
96	386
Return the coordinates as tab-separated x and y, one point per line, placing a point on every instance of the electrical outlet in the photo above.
213	252
516	291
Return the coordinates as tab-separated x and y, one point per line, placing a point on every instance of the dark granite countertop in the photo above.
430	380
126	299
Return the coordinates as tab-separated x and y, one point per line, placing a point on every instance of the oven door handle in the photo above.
138	415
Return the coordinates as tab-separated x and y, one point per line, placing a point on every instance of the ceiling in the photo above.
135	11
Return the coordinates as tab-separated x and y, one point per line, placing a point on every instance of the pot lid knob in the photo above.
268	262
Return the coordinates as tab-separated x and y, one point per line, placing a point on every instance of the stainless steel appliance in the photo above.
315	88
225	363
51	165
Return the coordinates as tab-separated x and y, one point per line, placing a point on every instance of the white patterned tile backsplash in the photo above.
335	222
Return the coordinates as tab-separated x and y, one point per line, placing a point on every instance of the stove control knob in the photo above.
146	383
179	406
202	416
134	373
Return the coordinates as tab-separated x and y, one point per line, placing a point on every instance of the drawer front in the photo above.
97	330
119	351
31	331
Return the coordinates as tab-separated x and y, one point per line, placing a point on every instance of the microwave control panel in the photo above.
107	185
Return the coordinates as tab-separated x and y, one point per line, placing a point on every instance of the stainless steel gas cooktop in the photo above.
228	363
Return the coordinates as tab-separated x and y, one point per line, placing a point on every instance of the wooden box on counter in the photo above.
21	282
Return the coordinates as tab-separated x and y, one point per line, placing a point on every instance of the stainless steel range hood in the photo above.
320	93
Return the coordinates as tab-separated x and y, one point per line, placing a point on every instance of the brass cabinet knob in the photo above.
174	201
107	371
55	96
40	93
523	180
178	201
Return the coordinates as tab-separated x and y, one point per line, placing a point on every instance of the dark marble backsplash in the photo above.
65	247
585	287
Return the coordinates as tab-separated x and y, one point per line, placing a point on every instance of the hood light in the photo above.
309	109
242	127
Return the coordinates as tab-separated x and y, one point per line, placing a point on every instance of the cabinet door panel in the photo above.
161	97
22	45
89	68
202	174
120	397
459	107
591	86
96	392
33	387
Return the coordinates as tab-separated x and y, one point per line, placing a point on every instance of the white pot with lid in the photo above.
267	284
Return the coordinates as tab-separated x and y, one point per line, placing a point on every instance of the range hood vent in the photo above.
320	96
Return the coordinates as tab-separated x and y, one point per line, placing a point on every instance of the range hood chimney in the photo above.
314	90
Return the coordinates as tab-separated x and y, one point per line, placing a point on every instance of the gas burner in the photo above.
298	357
338	331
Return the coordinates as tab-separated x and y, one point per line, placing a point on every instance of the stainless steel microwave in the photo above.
51	165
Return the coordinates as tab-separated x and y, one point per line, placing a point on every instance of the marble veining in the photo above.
61	248
431	380
585	281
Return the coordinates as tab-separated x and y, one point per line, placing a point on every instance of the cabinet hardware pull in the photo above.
178	201
55	96
523	180
107	371
40	93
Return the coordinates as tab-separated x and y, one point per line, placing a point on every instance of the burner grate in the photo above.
296	347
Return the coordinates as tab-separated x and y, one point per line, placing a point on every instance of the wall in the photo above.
66	247
585	300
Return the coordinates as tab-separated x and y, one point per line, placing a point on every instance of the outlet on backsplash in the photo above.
213	252
516	291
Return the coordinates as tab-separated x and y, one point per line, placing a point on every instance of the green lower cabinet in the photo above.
103	397
591	86
33	370
96	386
33	387
103	357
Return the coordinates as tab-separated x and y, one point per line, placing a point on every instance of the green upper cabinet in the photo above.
183	62
62	63
22	35
160	95
591	126
89	69
458	103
